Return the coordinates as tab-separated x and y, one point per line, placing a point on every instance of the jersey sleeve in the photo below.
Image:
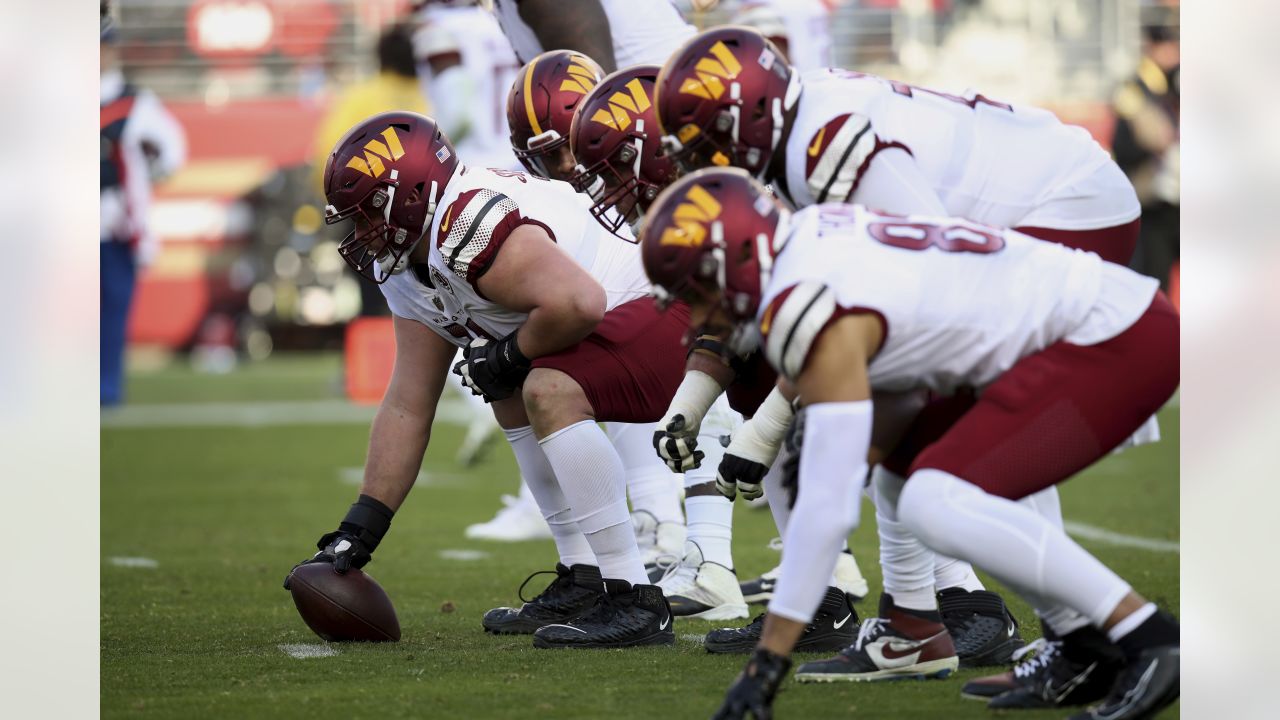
474	227
838	154
792	322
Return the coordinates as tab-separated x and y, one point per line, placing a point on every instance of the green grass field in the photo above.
226	510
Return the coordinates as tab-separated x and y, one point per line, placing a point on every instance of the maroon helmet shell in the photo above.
541	103
615	139
710	237
723	99
387	173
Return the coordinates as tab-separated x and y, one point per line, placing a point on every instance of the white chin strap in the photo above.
400	265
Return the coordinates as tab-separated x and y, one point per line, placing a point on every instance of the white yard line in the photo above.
303	651
463	555
693	638
134	562
259	414
1108	537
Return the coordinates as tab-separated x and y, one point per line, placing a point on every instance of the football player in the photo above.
614	140
464	61
540	110
614	33
807	21
727	98
559	331
1072	355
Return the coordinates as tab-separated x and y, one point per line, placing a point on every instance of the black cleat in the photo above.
1076	670
834	626
623	616
573	592
982	628
760	589
1147	686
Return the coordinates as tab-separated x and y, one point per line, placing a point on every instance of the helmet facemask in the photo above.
377	248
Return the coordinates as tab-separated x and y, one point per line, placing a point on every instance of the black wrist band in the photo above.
509	353
368	519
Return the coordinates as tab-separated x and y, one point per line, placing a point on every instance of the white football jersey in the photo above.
479	209
806	25
645	32
960	302
490	66
987	161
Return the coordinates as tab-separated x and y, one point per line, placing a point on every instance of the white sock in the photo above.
907	564
775	494
1060	618
949	572
649	483
1010	541
540	482
711	526
1131	622
593	481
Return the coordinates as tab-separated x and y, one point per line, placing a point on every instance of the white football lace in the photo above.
1043	650
870	630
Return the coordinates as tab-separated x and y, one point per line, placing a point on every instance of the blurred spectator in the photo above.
1146	143
395	87
140	144
807	22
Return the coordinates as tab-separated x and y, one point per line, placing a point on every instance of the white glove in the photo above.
676	438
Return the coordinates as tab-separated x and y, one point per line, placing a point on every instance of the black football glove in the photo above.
493	370
353	543
791	468
740	474
753	692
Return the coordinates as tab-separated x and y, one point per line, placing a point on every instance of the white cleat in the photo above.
847	577
661	544
519	520
697	588
481	433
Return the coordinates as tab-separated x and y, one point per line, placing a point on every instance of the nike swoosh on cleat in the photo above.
891	652
663	624
1059	693
842	622
584	632
1012	629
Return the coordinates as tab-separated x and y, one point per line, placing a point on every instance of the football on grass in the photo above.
343	607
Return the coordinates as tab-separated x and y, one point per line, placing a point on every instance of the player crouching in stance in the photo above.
555	320
1071	356
614	140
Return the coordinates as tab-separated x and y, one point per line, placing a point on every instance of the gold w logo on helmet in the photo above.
375	151
581	77
623	105
712	70
691	219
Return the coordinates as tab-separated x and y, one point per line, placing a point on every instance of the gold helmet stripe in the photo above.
528	98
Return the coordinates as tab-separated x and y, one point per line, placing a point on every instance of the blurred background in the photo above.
243	267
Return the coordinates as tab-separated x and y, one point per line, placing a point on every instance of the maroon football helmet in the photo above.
724	99
387	173
540	110
616	142
709	240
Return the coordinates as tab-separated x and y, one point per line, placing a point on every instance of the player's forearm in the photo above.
397	440
712	365
580	25
556	326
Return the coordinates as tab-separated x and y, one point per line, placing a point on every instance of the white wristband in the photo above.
760	437
693	398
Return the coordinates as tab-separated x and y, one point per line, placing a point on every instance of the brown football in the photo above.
343	607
